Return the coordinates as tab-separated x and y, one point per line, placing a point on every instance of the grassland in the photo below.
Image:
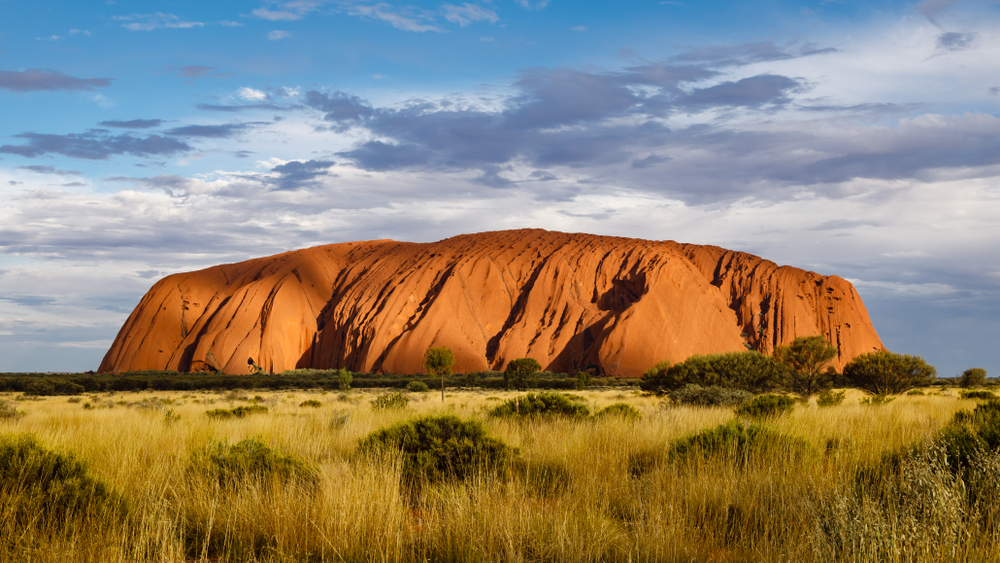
585	489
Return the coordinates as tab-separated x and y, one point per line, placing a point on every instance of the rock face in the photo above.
571	301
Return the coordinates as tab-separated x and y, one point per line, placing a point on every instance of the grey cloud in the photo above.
294	175
649	161
29	300
339	107
223	131
931	8
233	108
194	71
133	123
33	80
50	170
839	224
558	117
145	274
994	91
543	176
756	91
955	41
749	53
95	144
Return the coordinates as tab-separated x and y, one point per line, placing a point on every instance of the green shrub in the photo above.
805	359
876	400
390	401
971	432
915	393
712	396
765	406
973	377
39	484
519	371
249	459
736	438
749	371
979	394
344	379
886	373
542	404
312	403
417	387
238	412
582	380
830	398
619	410
441	447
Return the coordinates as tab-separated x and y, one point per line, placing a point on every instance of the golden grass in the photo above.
577	498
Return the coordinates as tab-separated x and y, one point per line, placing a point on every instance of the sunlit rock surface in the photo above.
571	301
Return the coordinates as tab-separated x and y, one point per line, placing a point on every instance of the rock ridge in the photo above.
572	301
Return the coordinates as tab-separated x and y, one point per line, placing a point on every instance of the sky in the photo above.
143	138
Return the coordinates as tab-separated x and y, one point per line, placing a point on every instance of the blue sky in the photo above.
139	139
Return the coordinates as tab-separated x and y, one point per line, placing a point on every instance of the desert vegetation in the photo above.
497	475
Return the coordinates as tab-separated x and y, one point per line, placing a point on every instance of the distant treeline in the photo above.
72	384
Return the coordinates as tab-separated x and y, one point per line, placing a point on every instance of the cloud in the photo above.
278	34
468	13
536	5
756	91
252	95
233	108
406	20
288	11
931	8
133	123
294	175
579	28
749	53
50	170
222	131
29	300
649	162
95	145
149	22
34	80
954	41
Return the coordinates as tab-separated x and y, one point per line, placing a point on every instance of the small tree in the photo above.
973	377
345	378
582	380
806	357
518	371
886	373
438	361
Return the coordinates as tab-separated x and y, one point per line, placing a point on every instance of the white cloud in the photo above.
468	13
149	22
278	34
248	93
399	20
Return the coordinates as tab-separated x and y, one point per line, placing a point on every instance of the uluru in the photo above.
572	301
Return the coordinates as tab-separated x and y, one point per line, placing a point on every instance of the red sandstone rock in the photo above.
570	301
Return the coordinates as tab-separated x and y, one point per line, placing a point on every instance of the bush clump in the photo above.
390	402
887	373
749	371
972	432
830	398
978	394
249	459
40	483
417	387
542	404
876	400
441	447
711	396
9	412
311	403
972	377
737	438
619	410
518	373
238	412
766	406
